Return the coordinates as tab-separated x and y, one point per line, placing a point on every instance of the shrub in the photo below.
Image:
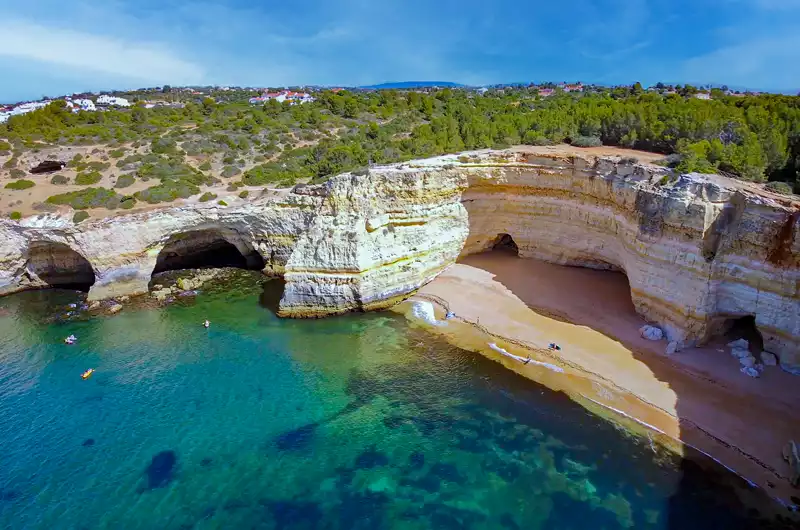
21	184
16	216
587	141
116	153
164	146
205	166
207	196
629	160
229	159
230	171
784	188
124	181
535	138
5	147
80	216
75	160
11	162
167	191
59	180
87	198
243	194
87	179
127	202
222	203
17	173
463	159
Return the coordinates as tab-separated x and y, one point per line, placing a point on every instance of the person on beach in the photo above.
527	360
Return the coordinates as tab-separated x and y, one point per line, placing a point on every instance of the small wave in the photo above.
549	366
423	310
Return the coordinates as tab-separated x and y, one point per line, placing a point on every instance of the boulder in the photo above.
672	347
740	344
651	332
739	353
769	359
116	308
748	361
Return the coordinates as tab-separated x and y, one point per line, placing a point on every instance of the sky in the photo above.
52	48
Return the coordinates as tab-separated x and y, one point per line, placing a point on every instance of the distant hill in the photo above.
413	84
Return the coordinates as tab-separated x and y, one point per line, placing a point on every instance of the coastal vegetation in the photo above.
185	149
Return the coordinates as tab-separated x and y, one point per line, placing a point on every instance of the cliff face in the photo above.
698	251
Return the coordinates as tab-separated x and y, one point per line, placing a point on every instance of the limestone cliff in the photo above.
697	250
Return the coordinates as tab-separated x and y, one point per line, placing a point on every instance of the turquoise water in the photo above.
343	423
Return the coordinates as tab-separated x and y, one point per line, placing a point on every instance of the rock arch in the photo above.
57	265
505	243
207	248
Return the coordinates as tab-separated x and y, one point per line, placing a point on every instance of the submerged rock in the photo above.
672	347
748	361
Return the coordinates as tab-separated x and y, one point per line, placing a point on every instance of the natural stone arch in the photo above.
58	265
505	243
207	248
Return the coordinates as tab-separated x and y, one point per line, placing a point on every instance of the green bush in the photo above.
87	179
87	198
124	181
5	147
16	216
205	166
127	202
243	194
117	153
222	203
784	188
21	184
207	196
59	180
17	173
164	146
167	191
230	171
587	141
80	216
536	138
11	162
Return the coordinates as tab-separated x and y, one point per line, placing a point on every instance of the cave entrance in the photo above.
204	249
743	327
59	266
505	243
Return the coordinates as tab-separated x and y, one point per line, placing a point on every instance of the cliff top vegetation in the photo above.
222	143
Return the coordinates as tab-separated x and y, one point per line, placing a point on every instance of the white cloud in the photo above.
144	61
763	62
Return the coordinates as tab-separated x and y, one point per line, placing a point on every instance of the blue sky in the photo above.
50	47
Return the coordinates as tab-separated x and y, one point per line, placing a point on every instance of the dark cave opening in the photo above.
505	243
59	266
203	250
744	327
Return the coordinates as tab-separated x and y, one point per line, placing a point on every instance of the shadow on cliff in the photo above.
601	301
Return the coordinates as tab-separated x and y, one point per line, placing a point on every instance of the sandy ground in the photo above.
696	396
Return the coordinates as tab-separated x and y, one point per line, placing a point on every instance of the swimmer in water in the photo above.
206	324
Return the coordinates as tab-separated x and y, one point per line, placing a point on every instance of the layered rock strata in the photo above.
698	251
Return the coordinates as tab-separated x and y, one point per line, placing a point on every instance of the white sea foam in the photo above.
549	366
423	310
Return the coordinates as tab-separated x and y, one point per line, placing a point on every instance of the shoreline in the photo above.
695	398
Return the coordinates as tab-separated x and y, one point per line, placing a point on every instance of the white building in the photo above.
84	104
113	101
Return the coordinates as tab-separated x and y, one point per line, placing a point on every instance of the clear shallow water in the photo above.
342	423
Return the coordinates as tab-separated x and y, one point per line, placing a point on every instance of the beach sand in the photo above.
696	396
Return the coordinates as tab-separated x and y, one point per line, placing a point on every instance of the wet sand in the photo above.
697	396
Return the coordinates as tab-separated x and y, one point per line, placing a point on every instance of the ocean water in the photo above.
354	422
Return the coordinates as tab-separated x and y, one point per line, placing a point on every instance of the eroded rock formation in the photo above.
698	251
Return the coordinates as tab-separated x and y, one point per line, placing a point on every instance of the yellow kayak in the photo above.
87	374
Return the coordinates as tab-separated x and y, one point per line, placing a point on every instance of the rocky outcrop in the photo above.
698	250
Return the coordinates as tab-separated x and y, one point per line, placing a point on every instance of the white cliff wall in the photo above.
697	250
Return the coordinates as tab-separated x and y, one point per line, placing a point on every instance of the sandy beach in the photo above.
504	304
